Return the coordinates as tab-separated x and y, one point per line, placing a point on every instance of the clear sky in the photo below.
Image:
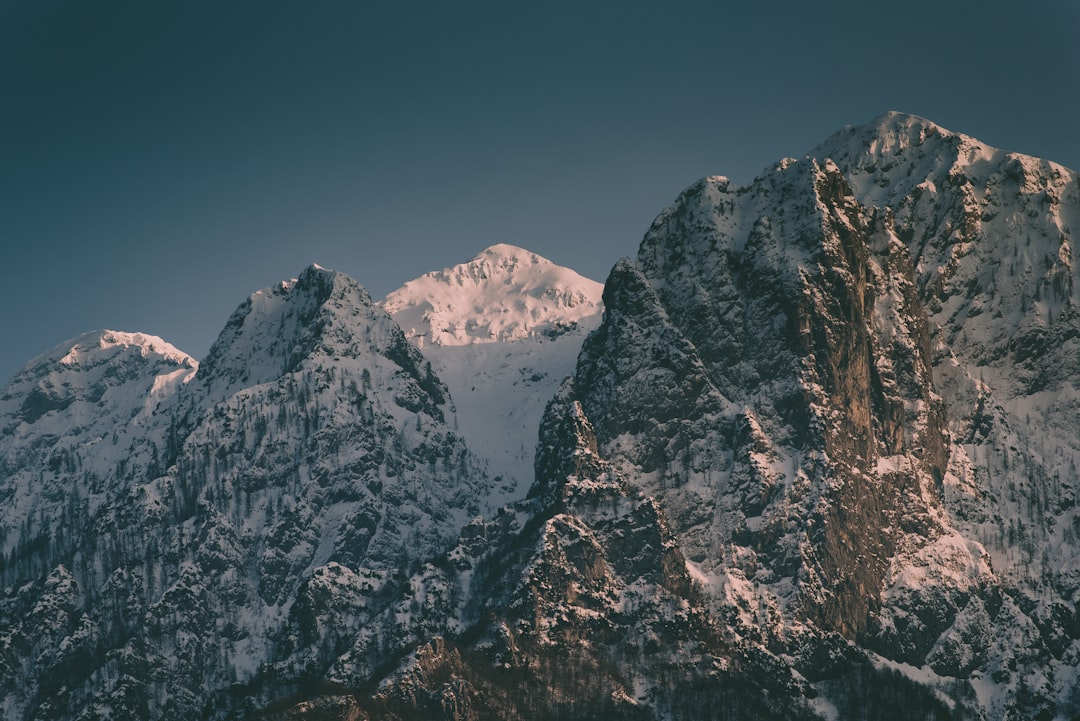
160	160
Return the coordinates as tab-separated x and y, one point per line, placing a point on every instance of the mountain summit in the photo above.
502	331
504	293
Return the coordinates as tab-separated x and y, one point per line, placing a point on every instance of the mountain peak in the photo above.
897	118
276	328
317	273
83	357
76	351
890	134
500	260
886	158
504	250
504	293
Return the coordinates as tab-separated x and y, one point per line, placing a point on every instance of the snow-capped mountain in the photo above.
820	389
266	504
816	461
505	293
502	330
78	421
831	381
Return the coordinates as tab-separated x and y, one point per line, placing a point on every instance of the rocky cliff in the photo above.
848	390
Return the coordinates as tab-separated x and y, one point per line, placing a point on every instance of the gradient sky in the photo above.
159	160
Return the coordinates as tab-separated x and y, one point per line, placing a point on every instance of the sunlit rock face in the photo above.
851	387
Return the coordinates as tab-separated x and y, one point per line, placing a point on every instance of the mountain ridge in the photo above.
195	550
816	460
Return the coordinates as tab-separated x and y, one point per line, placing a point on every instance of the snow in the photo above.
85	349
500	391
921	675
502	331
504	293
950	561
697	574
102	390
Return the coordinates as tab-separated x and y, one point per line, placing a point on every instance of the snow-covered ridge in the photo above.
82	410
504	293
100	368
313	438
322	312
86	349
889	157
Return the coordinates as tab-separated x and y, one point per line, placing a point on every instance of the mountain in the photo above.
242	520
816	460
503	294
851	386
77	421
847	390
502	331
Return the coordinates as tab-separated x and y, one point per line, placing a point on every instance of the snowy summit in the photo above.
504	293
502	331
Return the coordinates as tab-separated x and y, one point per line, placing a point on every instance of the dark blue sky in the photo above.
161	160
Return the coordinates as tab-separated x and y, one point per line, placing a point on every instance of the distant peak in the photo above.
886	158
98	346
277	328
895	129
324	283
104	339
504	250
896	117
317	271
503	293
504	258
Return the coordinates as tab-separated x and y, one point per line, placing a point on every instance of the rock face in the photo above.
992	238
783	403
830	382
817	461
